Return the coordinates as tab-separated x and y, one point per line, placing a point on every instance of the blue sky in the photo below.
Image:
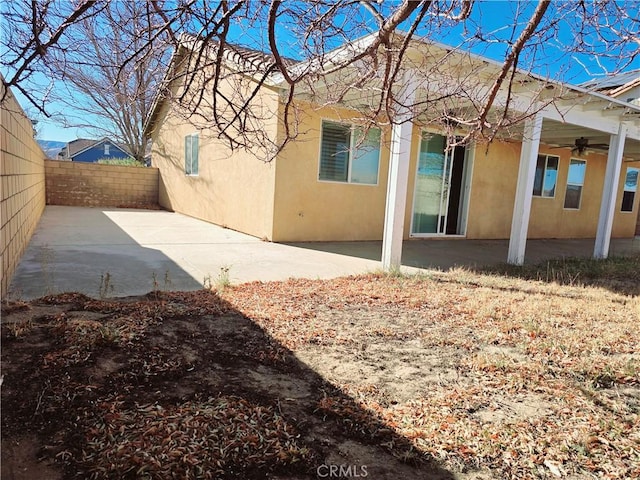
494	18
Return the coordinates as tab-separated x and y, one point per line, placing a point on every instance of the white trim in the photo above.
609	193
415	181
443	211
575	114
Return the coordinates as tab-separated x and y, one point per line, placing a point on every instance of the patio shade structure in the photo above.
550	112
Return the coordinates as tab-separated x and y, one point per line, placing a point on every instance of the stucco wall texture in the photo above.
284	201
22	186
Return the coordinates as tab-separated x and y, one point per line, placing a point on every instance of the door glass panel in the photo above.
429	184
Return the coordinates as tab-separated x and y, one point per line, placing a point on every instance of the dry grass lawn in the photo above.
523	379
449	375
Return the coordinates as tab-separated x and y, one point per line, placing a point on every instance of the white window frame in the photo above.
352	146
581	185
186	172
544	174
624	190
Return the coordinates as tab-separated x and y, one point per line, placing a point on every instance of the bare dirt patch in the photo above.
454	376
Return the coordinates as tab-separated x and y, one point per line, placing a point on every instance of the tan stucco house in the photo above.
339	181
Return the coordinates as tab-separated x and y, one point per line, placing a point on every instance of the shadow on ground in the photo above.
177	384
566	262
618	274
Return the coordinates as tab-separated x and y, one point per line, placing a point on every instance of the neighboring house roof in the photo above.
101	142
74	146
80	145
616	85
612	82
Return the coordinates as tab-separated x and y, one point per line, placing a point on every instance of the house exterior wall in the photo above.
493	190
285	201
96	152
95	185
22	186
233	189
307	209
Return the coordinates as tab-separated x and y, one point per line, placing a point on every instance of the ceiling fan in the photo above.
582	145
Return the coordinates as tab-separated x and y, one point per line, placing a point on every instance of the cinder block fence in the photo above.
22	185
94	185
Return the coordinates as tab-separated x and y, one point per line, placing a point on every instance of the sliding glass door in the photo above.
439	188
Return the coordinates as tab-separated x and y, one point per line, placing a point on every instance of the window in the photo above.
575	182
544	184
348	155
106	149
191	154
630	187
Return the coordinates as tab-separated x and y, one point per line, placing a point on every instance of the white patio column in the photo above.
524	189
609	193
399	159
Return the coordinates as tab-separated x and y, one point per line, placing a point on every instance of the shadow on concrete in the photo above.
97	258
366	250
566	261
448	253
438	254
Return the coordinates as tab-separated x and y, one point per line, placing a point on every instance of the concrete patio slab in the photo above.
116	252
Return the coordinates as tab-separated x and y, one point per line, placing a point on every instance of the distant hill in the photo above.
51	148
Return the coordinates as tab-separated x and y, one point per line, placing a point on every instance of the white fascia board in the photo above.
574	115
595	120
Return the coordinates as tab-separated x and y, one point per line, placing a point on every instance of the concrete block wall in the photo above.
94	185
22	185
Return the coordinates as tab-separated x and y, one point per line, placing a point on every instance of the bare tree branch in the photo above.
348	53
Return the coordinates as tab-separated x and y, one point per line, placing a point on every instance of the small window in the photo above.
575	182
349	155
106	148
544	184
191	154
630	187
